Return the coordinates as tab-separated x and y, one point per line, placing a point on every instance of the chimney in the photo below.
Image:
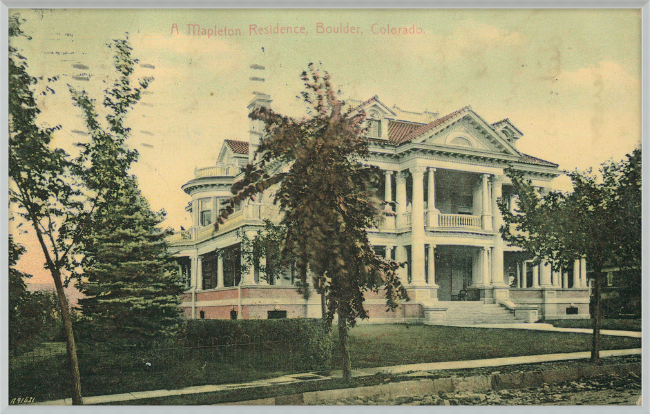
256	131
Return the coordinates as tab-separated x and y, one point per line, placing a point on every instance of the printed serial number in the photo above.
22	400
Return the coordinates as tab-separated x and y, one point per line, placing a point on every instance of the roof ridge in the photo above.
426	127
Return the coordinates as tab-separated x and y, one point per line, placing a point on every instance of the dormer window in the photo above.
374	125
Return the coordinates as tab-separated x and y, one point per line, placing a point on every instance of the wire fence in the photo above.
158	365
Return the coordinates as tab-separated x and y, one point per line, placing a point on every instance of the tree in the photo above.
130	280
600	220
42	189
328	198
33	317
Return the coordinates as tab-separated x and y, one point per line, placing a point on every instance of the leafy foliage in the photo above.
264	251
33	316
130	280
329	199
599	220
42	189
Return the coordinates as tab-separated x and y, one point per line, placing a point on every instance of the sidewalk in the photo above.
551	328
398	369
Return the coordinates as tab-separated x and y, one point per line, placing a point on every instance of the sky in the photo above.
570	80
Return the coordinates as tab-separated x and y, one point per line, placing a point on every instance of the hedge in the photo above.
307	341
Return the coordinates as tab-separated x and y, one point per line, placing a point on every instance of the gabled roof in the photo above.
529	159
238	147
375	99
397	130
427	127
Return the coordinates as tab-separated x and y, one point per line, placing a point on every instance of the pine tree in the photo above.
130	280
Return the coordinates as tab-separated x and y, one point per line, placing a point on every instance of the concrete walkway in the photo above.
550	328
398	369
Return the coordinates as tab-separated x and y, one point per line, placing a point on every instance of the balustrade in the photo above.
458	220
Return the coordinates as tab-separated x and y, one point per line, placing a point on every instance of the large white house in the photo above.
443	176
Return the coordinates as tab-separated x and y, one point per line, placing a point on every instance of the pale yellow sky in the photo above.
570	80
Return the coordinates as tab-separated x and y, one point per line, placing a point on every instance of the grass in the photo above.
386	345
370	346
615	324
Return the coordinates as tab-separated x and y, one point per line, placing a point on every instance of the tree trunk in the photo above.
595	349
69	339
345	353
65	316
323	306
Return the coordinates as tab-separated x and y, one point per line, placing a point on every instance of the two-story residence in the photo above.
443	176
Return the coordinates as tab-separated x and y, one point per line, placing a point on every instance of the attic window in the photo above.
374	125
461	142
374	128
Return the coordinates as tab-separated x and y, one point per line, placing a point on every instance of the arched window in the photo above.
461	142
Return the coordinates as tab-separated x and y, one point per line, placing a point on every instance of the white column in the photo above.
486	216
387	254
262	278
215	209
497	252
535	276
400	257
432	265
576	273
388	190
486	267
524	275
195	212
193	272
220	270
545	275
518	265
199	273
583	272
248	278
417	231
565	279
432	216
400	196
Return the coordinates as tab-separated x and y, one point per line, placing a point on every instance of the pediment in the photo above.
467	132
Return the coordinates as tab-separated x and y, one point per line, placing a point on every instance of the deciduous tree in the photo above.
600	220
329	200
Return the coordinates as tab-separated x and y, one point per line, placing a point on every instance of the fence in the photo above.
157	366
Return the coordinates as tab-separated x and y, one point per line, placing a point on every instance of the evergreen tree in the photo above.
130	279
329	199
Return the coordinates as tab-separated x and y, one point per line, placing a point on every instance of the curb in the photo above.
479	383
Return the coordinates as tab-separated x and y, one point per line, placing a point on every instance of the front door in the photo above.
453	275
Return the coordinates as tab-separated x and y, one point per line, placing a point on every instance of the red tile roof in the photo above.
397	130
533	160
238	147
424	128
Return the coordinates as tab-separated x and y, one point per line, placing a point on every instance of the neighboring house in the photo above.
621	292
443	176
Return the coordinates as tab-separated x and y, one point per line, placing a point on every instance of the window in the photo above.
232	266
209	269
277	314
205	211
374	128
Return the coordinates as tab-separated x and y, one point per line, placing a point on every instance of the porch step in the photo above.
471	313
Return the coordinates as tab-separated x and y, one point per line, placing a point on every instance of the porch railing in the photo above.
458	220
216	171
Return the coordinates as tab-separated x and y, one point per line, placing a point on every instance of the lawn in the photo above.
615	324
386	345
370	346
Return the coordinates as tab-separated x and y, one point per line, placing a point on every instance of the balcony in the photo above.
217	171
254	212
459	221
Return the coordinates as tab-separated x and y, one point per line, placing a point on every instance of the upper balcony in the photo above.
217	171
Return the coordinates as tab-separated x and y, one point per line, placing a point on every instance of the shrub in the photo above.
304	343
